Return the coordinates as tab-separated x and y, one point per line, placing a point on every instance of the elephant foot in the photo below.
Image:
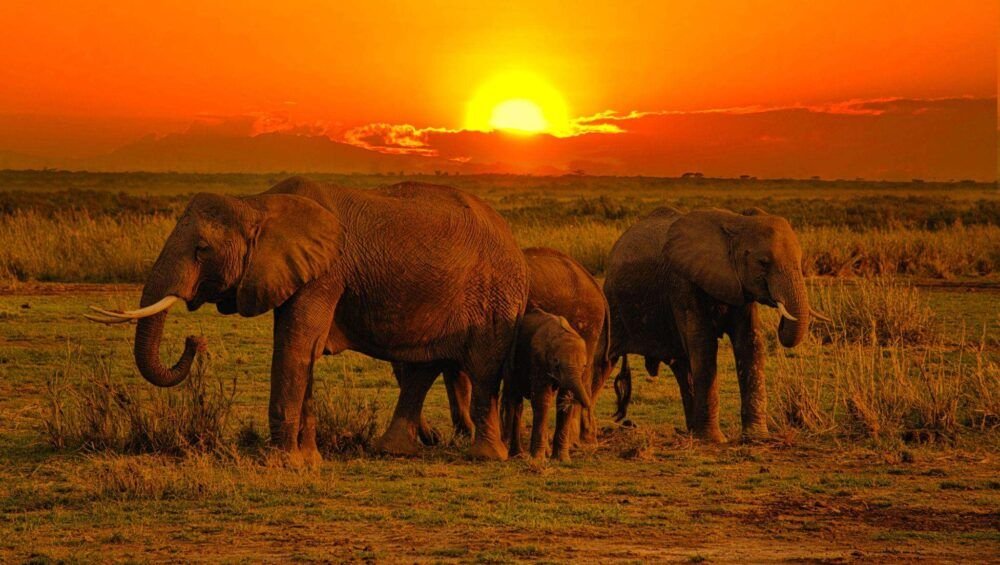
488	450
563	457
292	459
429	435
753	434
398	440
711	435
311	457
539	454
463	429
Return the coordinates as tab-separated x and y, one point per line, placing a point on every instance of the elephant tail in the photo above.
623	390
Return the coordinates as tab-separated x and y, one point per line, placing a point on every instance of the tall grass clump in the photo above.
886	393
877	311
73	246
347	423
98	411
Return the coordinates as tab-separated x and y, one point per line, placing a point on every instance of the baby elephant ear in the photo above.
699	246
295	241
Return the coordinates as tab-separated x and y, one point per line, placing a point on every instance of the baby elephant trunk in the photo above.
572	380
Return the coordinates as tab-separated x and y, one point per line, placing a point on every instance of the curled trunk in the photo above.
148	333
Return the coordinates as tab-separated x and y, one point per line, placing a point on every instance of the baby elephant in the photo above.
551	360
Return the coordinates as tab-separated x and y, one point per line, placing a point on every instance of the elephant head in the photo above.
741	258
245	255
566	360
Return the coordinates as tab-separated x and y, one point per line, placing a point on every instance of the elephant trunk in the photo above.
573	381
148	334
789	291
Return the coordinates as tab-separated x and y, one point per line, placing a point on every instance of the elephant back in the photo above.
560	285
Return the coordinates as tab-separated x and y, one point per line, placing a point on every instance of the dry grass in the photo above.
886	393
101	412
73	246
956	251
347	421
876	311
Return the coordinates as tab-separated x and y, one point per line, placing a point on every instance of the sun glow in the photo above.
519	115
518	102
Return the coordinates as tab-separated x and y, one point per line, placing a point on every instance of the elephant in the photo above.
551	360
676	282
560	286
425	276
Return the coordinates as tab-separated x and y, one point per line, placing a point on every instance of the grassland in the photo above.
885	426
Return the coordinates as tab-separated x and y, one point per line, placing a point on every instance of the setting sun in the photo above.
518	102
519	115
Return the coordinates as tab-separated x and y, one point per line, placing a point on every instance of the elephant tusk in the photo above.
106	320
146	312
785	314
819	316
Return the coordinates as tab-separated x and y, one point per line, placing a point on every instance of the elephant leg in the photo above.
307	429
682	372
541	400
515	409
748	349
652	365
426	433
563	441
301	326
588	426
484	370
402	437
459	388
703	351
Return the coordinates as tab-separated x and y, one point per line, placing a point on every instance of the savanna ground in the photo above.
885	425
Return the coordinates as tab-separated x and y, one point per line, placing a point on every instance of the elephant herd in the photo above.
431	279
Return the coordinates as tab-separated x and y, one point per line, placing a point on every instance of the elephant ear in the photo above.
294	241
699	246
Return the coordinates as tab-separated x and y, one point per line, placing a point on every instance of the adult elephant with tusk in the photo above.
677	282
421	275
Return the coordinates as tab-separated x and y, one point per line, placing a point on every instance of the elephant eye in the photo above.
201	249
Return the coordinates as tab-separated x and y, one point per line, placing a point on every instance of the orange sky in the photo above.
157	65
